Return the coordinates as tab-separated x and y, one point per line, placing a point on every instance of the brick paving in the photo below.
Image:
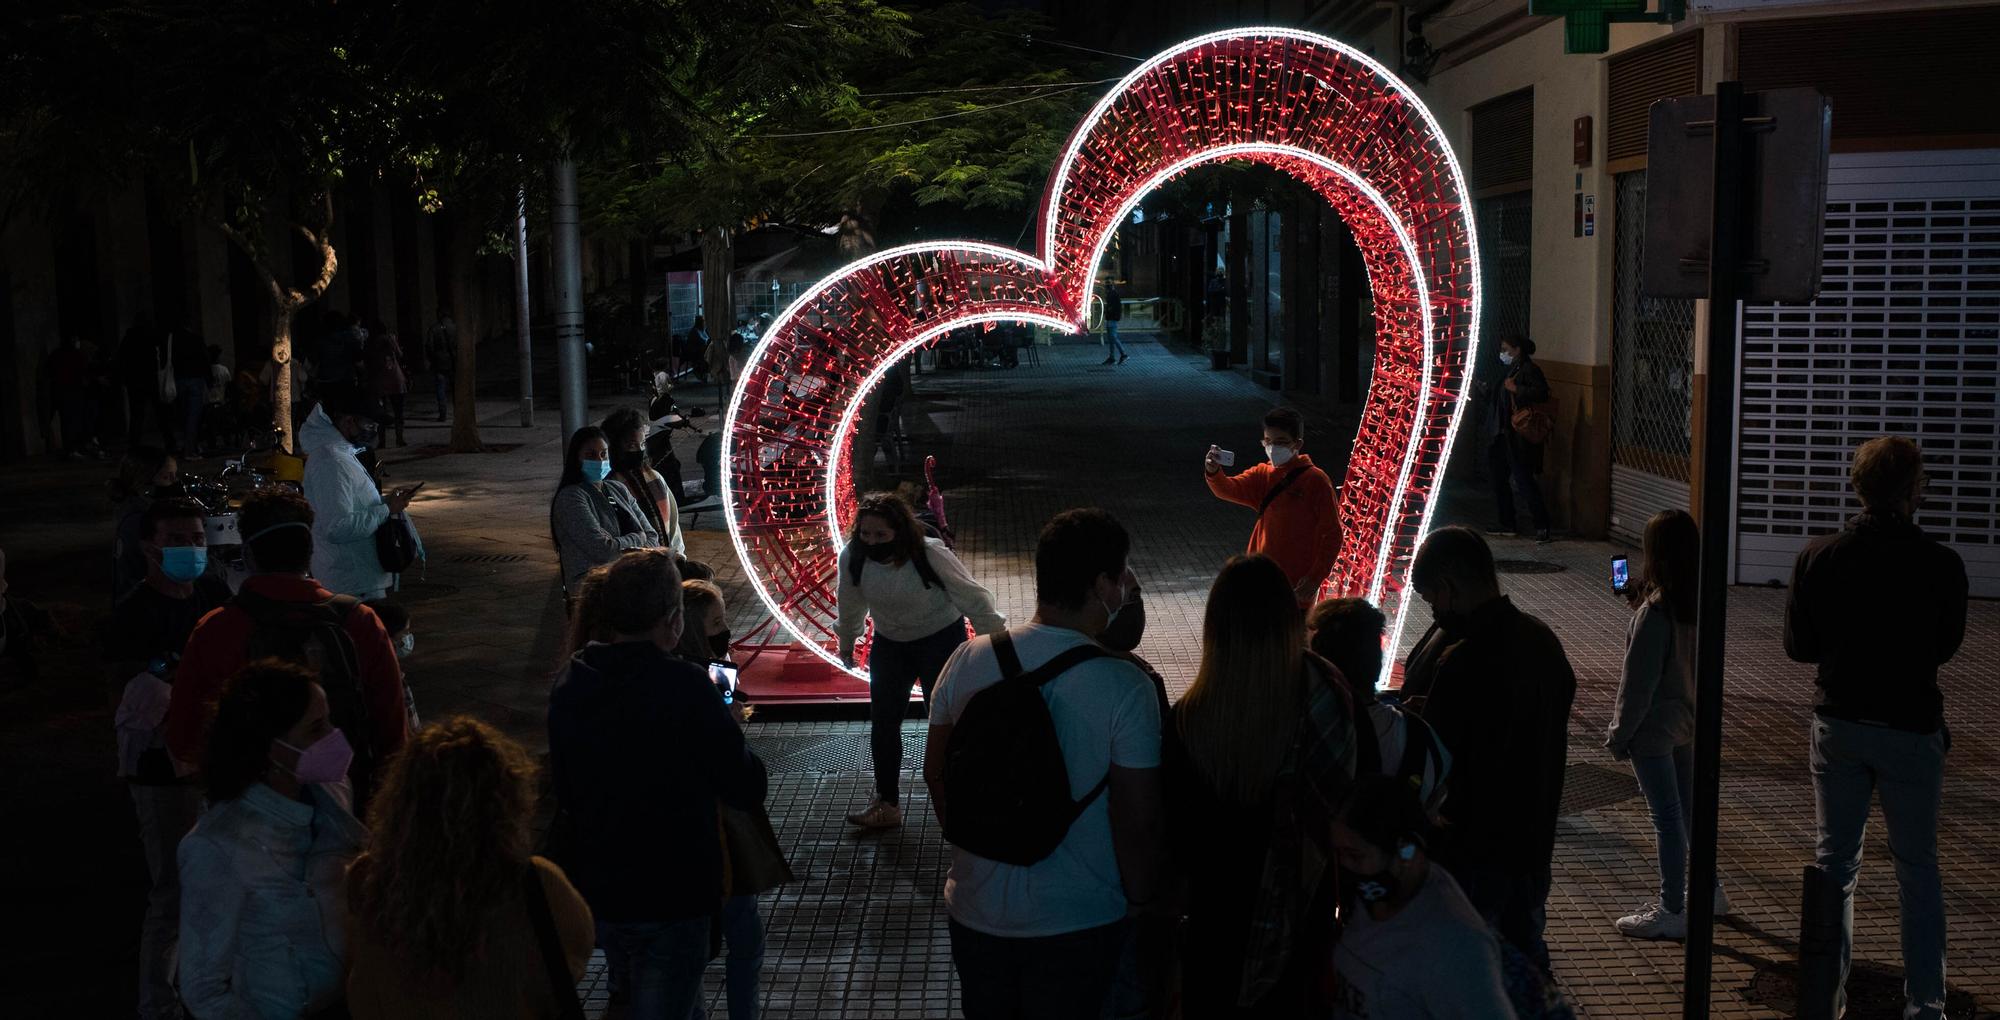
862	934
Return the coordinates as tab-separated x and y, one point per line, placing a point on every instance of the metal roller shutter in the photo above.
1503	143
1638	78
1904	339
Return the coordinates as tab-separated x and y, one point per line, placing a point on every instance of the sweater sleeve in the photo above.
346	506
853	603
670	516
1646	648
1801	644
196	681
1246	489
211	911
579	530
381	682
973	599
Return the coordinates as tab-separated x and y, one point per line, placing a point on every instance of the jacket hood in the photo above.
318	432
592	670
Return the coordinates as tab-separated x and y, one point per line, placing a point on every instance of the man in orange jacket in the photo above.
1298	518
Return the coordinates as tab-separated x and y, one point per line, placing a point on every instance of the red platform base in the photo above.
789	675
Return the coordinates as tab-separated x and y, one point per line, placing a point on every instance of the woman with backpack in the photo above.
1652	721
593	521
919	595
449	914
1255	757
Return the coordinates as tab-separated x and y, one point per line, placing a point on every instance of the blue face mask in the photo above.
183	563
597	470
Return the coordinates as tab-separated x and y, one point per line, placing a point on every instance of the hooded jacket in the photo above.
642	752
347	508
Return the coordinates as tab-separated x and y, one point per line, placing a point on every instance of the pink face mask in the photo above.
325	761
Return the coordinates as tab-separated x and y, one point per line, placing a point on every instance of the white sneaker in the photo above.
879	814
1654	922
1722	908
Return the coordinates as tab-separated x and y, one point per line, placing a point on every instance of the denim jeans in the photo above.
1667	780
1510	475
1054	977
1515	903
893	666
441	381
1850	762
1113	347
743	935
190	396
166	813
663	962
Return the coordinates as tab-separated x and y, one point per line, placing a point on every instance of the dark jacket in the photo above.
1500	699
642	751
1879	607
1531	387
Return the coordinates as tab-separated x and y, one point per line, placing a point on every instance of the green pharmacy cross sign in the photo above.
1587	23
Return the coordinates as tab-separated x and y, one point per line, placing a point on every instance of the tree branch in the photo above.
256	258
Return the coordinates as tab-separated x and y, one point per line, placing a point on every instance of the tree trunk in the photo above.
462	243
285	304
718	263
281	355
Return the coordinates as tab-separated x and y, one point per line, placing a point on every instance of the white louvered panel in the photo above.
1904	339
1636	496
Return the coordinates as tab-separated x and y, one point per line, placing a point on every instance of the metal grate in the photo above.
1528	567
1588	787
1904	339
489	558
1652	377
847	752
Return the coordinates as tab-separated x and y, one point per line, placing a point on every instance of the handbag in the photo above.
396	544
752	860
561	985
1535	423
164	376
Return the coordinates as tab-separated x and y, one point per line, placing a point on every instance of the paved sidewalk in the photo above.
862	934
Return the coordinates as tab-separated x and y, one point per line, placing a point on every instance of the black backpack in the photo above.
314	635
1420	747
1006	786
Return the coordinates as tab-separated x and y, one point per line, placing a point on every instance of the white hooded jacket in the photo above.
347	509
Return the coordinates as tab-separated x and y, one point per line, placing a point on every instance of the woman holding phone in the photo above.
919	596
1652	722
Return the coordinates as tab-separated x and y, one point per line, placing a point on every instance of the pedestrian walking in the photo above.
1499	692
1256	757
448	913
594	522
625	429
143	359
693	355
280	611
387	378
1043	763
1879	607
1514	458
1652	718
1114	314
1388	741
919	596
1298	511
643	754
261	931
349	507
441	353
1414	947
149	628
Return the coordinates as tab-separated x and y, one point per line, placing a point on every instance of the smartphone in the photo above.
411	490
1226	458
723	675
1621	575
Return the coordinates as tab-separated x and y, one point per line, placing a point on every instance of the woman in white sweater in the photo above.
919	596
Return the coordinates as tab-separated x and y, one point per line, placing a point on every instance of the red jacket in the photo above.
1301	530
216	650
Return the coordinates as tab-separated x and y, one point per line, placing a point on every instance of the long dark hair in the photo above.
448	838
1671	562
572	472
908	543
1238	717
261	703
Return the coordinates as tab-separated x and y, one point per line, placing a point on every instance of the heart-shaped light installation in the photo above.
1315	108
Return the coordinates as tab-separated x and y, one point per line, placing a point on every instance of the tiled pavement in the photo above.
861	934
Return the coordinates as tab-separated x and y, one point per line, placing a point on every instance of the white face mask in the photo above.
1279	454
1506	358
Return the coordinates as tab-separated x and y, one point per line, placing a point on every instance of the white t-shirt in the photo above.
1435	960
1105	714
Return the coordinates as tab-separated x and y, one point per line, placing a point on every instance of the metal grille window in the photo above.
1904	339
1652	356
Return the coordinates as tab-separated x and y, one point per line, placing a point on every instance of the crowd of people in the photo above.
1283	840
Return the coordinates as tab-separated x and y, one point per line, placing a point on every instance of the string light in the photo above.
1307	105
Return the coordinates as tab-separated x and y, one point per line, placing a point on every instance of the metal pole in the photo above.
566	246
524	341
1718	471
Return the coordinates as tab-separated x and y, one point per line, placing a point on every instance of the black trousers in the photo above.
1509	476
893	667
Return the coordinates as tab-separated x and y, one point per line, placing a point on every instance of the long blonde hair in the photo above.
1239	717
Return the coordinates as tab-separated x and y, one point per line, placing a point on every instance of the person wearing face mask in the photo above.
1298	511
920	596
1255	755
148	630
625	430
147	473
594	522
1044	940
348	506
1496	687
281	612
1413	947
262	932
643	754
1514	462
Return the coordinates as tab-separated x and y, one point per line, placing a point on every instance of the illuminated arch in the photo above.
1312	107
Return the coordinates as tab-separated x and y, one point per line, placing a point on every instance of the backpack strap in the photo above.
1419	744
1275	491
1061	664
1003	649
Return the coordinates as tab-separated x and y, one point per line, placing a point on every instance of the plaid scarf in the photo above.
1310	786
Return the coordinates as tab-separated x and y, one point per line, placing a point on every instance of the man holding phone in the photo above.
1298	517
348	506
